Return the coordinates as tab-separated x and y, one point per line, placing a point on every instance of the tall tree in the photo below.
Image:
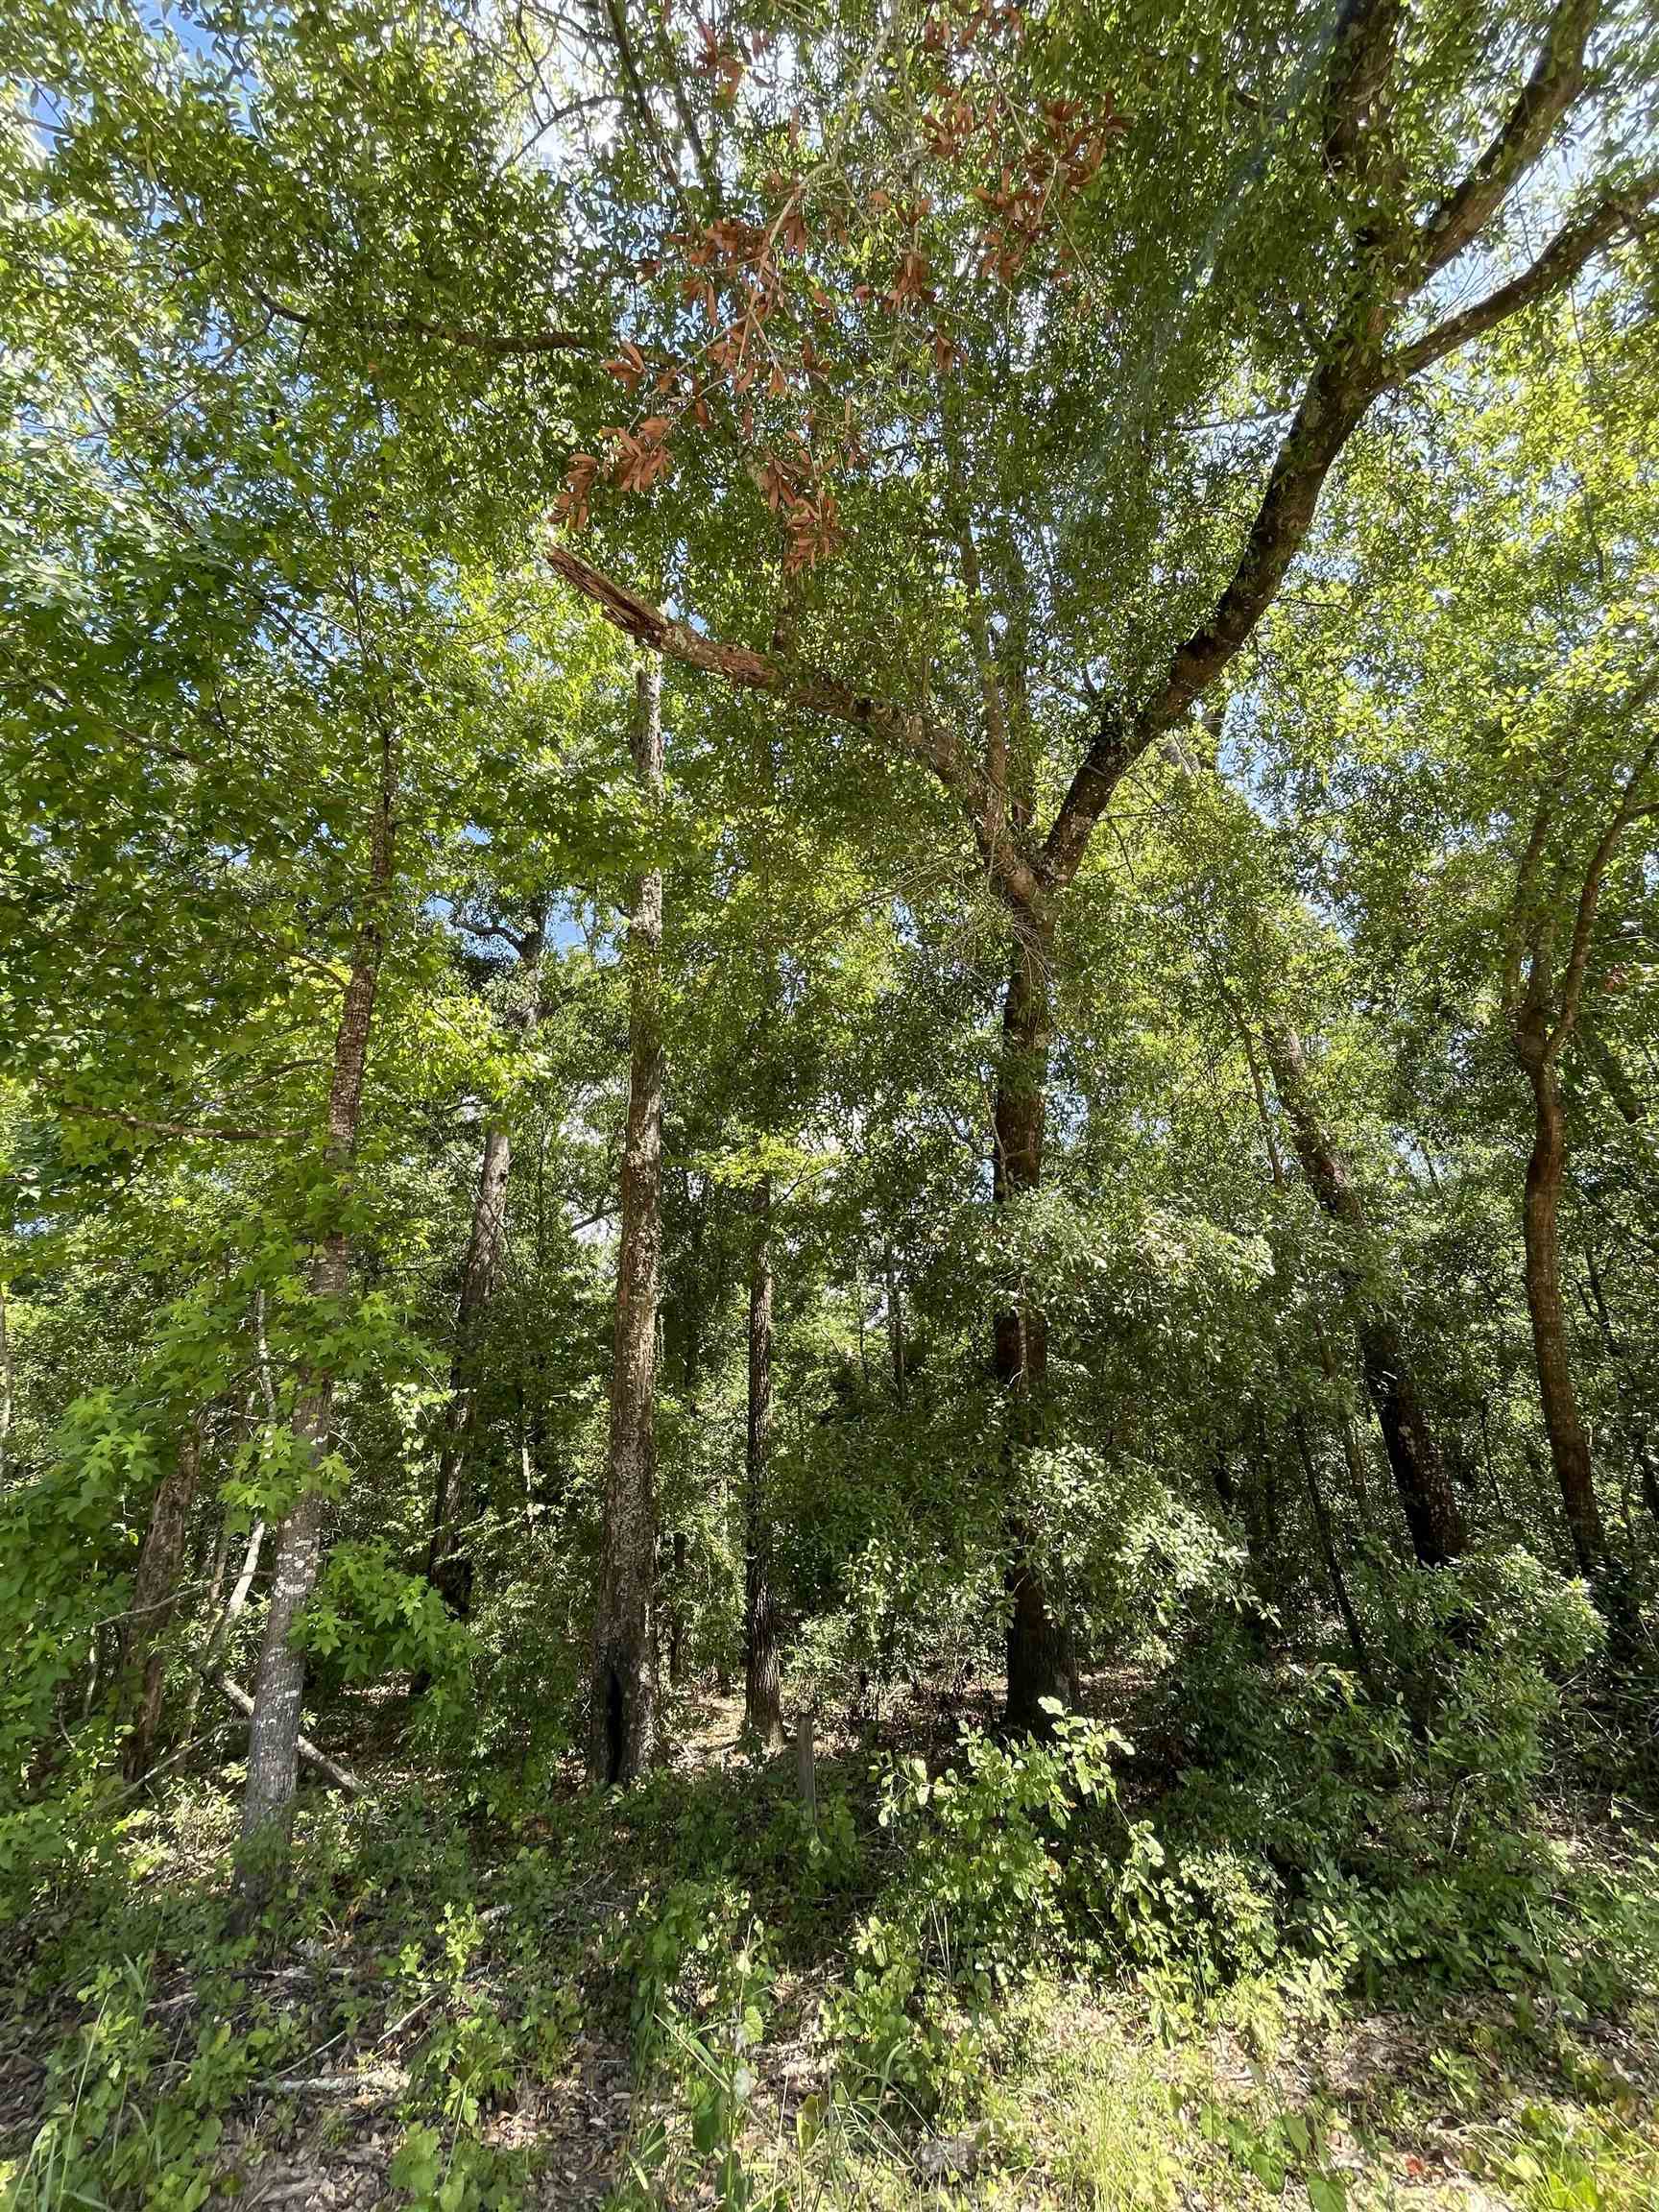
623	1719
1366	129
279	1684
763	1709
1543	994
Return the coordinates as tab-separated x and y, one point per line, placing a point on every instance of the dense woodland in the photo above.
828	1083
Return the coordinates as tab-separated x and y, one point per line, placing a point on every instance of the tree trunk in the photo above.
154	1595
1431	1510
279	1684
6	1382
209	1663
895	1324
1038	1660
763	1709
1569	1445
1635	1430
676	1610
622	1717
1327	1536
448	1567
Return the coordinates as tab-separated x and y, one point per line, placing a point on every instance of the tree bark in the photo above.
279	1684
448	1567
622	1716
1432	1513
1039	1661
6	1382
155	1596
762	1706
1569	1445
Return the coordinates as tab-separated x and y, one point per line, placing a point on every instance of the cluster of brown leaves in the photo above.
800	496
1037	180
725	66
974	20
729	269
732	271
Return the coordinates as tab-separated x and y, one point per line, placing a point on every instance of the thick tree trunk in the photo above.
1039	1659
279	1684
448	1567
1569	1445
154	1595
622	1717
1431	1511
763	1709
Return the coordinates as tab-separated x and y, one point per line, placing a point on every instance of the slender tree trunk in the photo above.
895	1324
279	1684
207	1665
677	1612
1323	1530
1431	1510
692	1308
448	1567
622	1717
6	1382
1039	1659
1569	1445
155	1596
763	1709
1641	1450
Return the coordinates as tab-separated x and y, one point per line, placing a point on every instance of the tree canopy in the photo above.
829	1003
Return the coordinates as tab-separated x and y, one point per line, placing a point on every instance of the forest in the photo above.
830	1104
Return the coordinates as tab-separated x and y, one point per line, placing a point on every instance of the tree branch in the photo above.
222	1132
1515	935
1630	805
1553	86
1555	267
494	344
814	693
1336	397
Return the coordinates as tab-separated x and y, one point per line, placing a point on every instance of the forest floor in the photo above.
456	2012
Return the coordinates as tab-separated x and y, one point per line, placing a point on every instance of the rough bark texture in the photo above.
763	1708
1431	1510
1569	1444
279	1684
622	1716
448	1567
154	1594
1038	1662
